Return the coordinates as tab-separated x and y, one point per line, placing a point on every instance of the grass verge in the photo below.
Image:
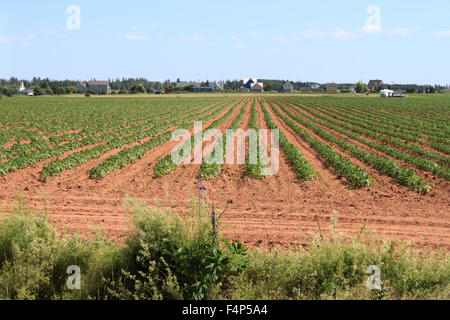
165	257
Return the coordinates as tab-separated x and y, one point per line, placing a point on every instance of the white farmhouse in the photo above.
23	90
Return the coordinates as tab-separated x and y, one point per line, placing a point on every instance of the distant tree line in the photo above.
46	86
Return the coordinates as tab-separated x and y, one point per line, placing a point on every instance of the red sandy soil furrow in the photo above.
260	213
140	177
178	187
291	229
276	211
30	175
233	172
423	146
77	178
391	199
325	178
274	189
381	181
443	185
343	153
223	127
97	135
395	146
26	180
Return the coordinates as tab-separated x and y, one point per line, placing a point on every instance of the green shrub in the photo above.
335	268
166	257
35	259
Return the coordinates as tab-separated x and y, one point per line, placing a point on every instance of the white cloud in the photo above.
22	40
235	38
401	32
312	33
338	33
47	32
135	37
443	34
371	29
341	34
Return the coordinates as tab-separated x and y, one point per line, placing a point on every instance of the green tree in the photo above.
5	91
137	89
13	88
361	87
38	91
189	88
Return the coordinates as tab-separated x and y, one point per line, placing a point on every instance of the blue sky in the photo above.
197	40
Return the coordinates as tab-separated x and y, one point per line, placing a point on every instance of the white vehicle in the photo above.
386	93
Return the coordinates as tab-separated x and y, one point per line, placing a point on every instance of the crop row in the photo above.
387	139
127	156
356	176
398	119
256	162
26	160
39	143
55	115
418	162
369	125
303	169
152	118
440	144
166	165
211	170
402	175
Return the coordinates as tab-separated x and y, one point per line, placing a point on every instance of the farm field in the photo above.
380	161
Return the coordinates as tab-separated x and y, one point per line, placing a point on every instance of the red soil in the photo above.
275	211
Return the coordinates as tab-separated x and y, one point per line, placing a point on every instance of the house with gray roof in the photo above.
288	87
96	86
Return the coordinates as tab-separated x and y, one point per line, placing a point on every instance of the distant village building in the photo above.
213	86
288	87
23	90
249	82
331	87
96	86
217	85
252	84
257	88
375	83
316	87
21	86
